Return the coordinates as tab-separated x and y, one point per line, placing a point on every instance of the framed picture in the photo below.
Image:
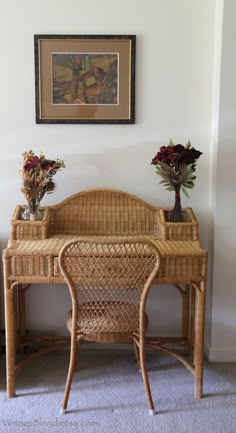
85	79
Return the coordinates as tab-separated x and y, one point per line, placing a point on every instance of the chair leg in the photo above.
77	353
71	369
136	351
145	377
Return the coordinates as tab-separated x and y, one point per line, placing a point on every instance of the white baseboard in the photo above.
220	354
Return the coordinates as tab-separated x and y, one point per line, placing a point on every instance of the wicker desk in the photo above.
31	258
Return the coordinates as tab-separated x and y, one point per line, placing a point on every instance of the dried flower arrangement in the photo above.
176	164
37	174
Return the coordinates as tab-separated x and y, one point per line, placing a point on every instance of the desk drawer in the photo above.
27	266
171	269
182	269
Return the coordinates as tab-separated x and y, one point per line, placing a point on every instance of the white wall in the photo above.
174	76
223	341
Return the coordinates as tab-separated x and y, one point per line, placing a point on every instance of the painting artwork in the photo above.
85	78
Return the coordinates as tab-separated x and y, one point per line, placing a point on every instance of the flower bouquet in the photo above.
37	173
176	164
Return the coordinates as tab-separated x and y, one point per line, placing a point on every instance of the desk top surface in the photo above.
53	244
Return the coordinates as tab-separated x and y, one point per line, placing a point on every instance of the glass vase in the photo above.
32	211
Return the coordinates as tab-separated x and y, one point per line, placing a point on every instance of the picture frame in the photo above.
85	78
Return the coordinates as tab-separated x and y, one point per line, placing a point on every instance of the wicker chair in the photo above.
109	282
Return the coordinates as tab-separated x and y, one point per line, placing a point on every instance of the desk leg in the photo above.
21	310
10	325
185	293
185	317
199	337
192	320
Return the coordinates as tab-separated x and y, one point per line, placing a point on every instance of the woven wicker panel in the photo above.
106	280
29	266
181	260
182	268
104	212
186	230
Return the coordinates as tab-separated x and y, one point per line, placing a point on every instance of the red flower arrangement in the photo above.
37	173
176	165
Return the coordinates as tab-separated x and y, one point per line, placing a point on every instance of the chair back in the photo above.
107	276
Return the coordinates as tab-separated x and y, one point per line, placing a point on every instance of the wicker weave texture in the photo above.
186	230
106	280
103	212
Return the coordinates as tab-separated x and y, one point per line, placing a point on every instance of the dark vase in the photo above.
176	213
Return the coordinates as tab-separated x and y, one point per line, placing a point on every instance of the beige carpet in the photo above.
108	396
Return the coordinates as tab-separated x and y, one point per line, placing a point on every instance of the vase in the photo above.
176	213
32	211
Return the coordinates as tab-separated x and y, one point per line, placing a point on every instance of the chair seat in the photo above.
106	321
